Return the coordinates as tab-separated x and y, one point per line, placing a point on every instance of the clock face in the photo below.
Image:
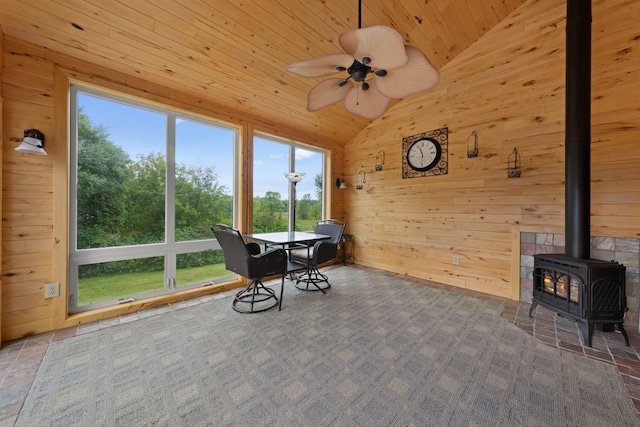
424	154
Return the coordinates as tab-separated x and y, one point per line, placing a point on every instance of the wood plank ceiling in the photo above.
234	53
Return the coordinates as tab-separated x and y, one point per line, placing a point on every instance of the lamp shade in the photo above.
295	177
32	143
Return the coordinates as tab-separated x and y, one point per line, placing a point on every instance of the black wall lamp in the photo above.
341	184
31	143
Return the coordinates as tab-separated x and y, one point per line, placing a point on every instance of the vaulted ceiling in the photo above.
235	52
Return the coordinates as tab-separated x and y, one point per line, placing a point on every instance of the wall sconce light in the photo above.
379	160
362	179
341	184
472	147
513	164
32	143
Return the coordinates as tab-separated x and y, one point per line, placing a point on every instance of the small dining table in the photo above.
287	240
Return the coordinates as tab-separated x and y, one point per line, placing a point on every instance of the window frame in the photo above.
168	249
292	146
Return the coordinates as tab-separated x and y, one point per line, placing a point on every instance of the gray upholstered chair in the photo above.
246	260
312	256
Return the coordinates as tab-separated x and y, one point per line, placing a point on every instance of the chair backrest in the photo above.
236	254
246	259
330	227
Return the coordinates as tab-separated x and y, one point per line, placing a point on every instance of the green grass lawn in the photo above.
305	224
115	286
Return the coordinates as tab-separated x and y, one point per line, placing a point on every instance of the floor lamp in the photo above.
294	178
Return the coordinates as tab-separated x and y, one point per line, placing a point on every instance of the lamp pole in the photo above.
294	178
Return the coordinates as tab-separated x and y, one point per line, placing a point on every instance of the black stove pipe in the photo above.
578	130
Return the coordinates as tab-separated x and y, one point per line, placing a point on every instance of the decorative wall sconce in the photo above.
362	179
472	145
380	160
513	164
341	184
32	143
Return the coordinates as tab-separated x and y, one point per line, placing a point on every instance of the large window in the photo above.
146	184
279	205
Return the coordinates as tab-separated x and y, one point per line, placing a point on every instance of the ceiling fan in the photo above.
380	67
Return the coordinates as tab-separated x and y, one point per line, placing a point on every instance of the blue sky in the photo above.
140	132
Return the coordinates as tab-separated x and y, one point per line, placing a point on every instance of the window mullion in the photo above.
170	203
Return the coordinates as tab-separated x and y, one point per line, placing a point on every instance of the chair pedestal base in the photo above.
312	280
255	298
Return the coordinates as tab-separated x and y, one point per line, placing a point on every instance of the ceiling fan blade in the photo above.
326	93
322	66
369	103
417	76
383	45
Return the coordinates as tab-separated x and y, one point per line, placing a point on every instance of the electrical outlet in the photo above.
456	260
51	290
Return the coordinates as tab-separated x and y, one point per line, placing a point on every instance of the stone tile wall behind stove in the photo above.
624	251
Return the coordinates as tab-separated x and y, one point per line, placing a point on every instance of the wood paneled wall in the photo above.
34	187
509	88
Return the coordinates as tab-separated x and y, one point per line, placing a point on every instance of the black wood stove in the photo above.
590	291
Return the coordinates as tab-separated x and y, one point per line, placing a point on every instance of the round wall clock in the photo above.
425	154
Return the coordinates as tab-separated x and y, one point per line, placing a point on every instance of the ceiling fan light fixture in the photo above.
397	71
358	71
